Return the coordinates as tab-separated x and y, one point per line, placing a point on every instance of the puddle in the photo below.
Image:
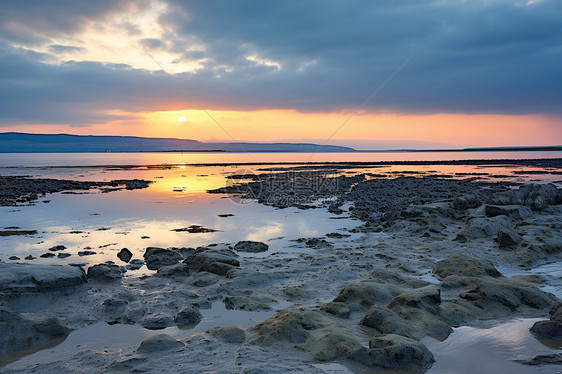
470	350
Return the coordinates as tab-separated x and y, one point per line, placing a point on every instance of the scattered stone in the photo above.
17	232
63	255
547	330
30	257
14	258
125	255
333	346
135	264
551	359
337	309
213	262
47	255
250	246
57	248
225	215
194	229
337	235
86	253
157	321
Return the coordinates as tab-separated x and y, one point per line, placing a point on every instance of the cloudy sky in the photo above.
421	73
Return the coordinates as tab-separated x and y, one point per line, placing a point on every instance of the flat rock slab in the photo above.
19	278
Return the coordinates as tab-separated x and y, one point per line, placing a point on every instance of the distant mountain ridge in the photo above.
16	142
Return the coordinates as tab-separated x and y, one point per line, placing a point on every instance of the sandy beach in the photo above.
422	271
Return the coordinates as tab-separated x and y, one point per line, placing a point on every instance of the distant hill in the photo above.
15	142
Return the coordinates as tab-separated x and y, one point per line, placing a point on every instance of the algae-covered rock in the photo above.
229	334
394	352
160	343
364	294
466	266
292	324
336	308
333	346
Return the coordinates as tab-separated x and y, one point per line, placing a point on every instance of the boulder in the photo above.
333	346
547	330
467	266
394	352
20	278
125	255
508	240
364	294
155	257
160	343
293	324
157	321
175	270
386	321
188	316
250	246
248	302
212	262
337	309
105	272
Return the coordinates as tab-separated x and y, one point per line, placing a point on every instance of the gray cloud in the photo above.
59	49
480	56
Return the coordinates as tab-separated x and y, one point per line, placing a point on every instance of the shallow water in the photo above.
177	198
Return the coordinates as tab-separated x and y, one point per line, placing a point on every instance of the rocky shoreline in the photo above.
430	258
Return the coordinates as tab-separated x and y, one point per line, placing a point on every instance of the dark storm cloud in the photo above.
494	56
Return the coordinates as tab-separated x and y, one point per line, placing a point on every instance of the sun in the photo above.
181	119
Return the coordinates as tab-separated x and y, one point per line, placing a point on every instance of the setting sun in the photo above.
181	119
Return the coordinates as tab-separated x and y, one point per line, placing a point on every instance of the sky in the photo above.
368	74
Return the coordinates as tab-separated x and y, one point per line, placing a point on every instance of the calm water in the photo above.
91	159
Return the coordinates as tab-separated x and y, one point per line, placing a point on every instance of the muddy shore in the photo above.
434	254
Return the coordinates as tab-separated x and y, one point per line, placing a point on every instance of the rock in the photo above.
250	246
19	278
292	324
507	294
14	258
135	264
105	272
551	359
176	270
188	316
212	262
387	322
425	299
394	352
547	330
333	346
157	321
514	211
507	240
47	255
57	248
364	294
248	303
467	266
125	255
155	258
160	343
19	333
337	309
230	334
86	253
63	255
29	257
